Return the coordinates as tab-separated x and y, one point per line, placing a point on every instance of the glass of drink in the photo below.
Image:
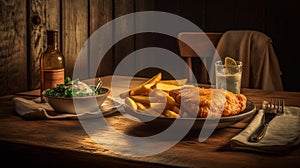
229	77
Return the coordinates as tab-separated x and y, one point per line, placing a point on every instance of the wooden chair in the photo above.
261	69
203	44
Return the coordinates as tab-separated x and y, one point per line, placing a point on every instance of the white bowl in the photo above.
83	104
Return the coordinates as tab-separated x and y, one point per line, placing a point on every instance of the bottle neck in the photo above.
52	40
52	46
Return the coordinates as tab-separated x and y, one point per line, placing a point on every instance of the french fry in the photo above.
160	94
152	97
167	87
155	79
160	107
141	106
142	90
164	97
131	104
170	113
143	99
179	82
171	102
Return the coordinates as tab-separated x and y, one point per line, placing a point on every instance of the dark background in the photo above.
23	25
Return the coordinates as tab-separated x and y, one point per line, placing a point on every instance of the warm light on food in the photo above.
183	102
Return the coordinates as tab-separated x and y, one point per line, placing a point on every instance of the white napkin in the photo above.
34	110
283	133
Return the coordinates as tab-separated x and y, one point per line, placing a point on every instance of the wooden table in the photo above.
65	143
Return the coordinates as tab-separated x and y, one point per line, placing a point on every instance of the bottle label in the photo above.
53	77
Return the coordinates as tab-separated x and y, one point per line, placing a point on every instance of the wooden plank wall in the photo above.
101	12
13	49
23	25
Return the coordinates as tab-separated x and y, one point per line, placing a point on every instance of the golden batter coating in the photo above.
211	103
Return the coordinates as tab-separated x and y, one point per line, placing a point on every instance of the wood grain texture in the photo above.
37	41
101	12
126	46
75	33
21	42
144	40
66	142
52	16
13	57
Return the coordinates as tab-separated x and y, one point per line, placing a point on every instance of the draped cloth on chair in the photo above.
261	68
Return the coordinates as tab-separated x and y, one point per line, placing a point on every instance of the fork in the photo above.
275	108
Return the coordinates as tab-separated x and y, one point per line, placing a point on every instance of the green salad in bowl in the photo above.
74	88
64	96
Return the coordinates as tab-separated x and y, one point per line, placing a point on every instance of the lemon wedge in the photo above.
229	61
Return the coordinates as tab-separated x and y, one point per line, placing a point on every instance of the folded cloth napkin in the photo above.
283	133
34	110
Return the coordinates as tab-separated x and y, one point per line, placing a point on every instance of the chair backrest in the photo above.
261	69
201	45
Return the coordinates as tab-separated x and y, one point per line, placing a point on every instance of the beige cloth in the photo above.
283	133
261	68
34	110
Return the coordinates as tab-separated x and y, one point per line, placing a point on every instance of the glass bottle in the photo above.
52	64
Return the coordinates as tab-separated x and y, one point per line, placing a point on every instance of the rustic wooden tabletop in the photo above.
65	142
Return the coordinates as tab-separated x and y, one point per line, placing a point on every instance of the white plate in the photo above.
198	122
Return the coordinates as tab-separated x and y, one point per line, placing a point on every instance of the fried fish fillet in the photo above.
210	103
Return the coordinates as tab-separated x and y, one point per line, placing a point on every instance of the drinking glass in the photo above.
229	77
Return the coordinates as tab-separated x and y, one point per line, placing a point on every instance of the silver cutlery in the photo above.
273	109
99	85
